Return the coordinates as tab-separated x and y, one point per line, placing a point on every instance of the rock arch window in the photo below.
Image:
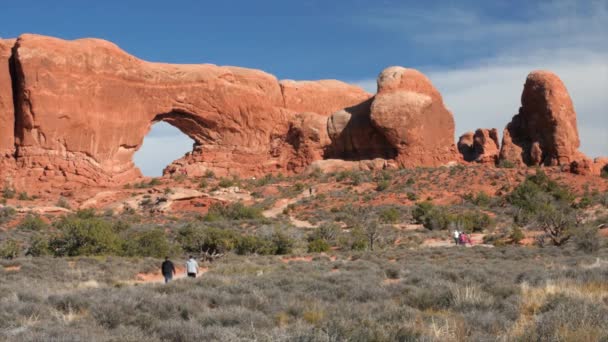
162	145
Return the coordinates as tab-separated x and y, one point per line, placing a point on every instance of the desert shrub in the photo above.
558	221
482	199
86	213
226	183
584	202
390	215
209	174
233	211
516	235
197	239
358	240
6	214
8	192
150	243
412	196
9	249
85	237
23	196
537	190
318	246
383	185
506	164
586	238
282	242
32	222
471	221
431	216
251	244
39	246
327	232
62	202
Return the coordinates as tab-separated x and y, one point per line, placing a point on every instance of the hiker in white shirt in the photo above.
456	236
191	267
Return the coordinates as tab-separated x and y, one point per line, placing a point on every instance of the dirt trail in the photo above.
283	203
476	240
157	277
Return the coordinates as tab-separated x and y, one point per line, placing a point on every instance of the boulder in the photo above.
354	137
481	146
409	112
544	132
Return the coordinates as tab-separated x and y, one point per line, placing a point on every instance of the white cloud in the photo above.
161	146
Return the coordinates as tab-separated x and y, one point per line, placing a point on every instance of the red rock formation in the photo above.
354	137
84	106
544	131
481	146
587	167
410	113
7	114
322	97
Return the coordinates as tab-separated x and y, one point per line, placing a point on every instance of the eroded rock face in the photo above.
7	114
481	146
83	108
354	137
544	132
322	97
409	112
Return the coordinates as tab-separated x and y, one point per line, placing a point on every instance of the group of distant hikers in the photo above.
461	238
168	269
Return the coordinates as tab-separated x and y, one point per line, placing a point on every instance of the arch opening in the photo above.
163	144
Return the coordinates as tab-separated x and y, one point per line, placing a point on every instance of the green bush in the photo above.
195	239
39	246
226	183
32	222
383	185
506	164
282	243
390	215
151	243
62	202
516	235
23	196
537	191
431	216
254	245
358	240
233	211
9	249
86	213
85	237
471	221
327	232
6	214
318	246
586	238
8	192
412	196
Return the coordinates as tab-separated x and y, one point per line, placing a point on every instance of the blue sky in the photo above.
477	53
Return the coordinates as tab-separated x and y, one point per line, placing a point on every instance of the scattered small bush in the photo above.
318	246
9	249
32	222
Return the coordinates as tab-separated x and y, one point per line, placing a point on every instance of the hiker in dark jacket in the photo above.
168	269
